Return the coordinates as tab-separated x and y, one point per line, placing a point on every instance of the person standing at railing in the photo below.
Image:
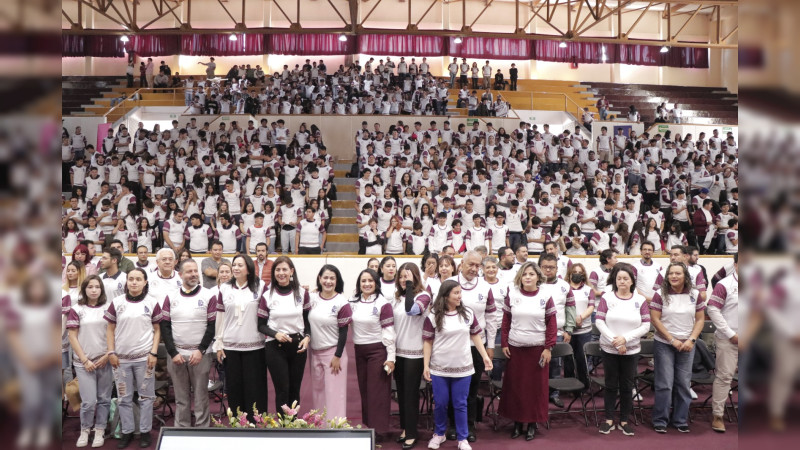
513	74
148	71
129	73
211	66
142	75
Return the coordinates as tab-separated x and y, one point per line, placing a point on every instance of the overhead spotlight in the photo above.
233	37
665	49
342	38
562	45
124	38
457	40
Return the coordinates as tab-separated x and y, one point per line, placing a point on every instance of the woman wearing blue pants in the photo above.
677	312
447	332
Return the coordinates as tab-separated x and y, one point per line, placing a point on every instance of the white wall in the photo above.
88	127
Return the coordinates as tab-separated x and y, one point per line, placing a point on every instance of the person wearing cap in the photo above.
703	222
697	200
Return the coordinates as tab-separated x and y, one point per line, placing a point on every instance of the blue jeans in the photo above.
445	390
577	342
555	369
95	396
135	376
452	80
673	376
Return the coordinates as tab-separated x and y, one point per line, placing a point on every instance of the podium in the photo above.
171	438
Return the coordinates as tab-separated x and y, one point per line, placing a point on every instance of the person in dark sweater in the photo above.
513	73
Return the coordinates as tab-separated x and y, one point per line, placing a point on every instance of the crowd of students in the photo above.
440	321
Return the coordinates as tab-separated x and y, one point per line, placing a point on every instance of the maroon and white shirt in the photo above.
677	312
133	337
240	323
526	316
724	302
189	314
629	318
91	326
563	298
478	296
408	325
373	322
451	355
326	317
284	312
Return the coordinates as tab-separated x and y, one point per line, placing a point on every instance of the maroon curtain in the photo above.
311	44
221	45
695	58
640	55
575	52
154	45
490	48
401	45
104	46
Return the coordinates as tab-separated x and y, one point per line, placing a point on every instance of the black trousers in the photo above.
309	251
129	79
246	380
408	375
513	84
472	397
620	371
286	368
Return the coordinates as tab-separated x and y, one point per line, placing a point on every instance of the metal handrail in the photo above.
134	100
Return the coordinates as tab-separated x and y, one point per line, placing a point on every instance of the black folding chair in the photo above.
573	385
162	388
495	389
592	350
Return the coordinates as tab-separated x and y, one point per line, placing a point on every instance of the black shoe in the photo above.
409	446
660	429
145	440
557	401
471	437
401	439
683	428
606	428
517	430
125	440
627	429
451	434
531	432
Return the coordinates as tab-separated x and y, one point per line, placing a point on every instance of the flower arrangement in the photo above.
289	419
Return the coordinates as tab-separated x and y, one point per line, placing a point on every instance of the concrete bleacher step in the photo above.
345	237
342	228
345	196
341	247
345	212
343	220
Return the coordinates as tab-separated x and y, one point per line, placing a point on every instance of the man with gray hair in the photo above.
166	280
476	294
188	329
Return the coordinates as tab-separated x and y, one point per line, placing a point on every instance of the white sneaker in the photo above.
25	438
43	437
99	438
83	439
693	394
436	441
210	383
636	396
464	445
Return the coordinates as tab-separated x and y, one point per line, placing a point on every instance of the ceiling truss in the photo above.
138	16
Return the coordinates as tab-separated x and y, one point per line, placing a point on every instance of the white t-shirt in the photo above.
326	317
629	318
189	314
133	337
91	326
408	325
284	312
478	296
373	322
529	312
450	355
678	313
240	324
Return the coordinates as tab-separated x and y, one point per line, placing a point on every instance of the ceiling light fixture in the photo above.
665	49
233	37
457	40
562	45
124	38
342	38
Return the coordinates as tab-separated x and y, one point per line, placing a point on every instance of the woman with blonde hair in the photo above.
529	333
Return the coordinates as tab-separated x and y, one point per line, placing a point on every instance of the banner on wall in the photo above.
102	132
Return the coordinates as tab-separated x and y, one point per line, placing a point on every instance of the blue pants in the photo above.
95	396
445	390
673	376
135	376
555	369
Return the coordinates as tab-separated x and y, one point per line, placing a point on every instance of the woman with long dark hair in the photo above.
387	271
374	339
678	315
447	359
410	304
529	332
622	318
239	344
283	318
329	318
581	334
87	336
132	338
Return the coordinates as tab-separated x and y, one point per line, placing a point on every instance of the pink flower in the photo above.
289	411
243	421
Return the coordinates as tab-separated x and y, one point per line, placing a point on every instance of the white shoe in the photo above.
43	437
83	439
436	441
25	438
99	438
637	397
651	363
693	394
210	383
464	445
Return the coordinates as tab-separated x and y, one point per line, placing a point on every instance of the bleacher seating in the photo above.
78	92
701	105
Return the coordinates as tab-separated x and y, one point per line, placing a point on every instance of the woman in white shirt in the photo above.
238	343
87	335
283	318
623	317
132	338
410	304
447	359
529	332
678	315
329	319
374	339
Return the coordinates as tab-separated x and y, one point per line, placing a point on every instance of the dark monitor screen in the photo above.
259	439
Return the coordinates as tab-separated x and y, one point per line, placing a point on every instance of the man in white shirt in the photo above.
165	280
723	309
486	71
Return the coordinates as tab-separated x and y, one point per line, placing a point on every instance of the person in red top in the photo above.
702	221
263	265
